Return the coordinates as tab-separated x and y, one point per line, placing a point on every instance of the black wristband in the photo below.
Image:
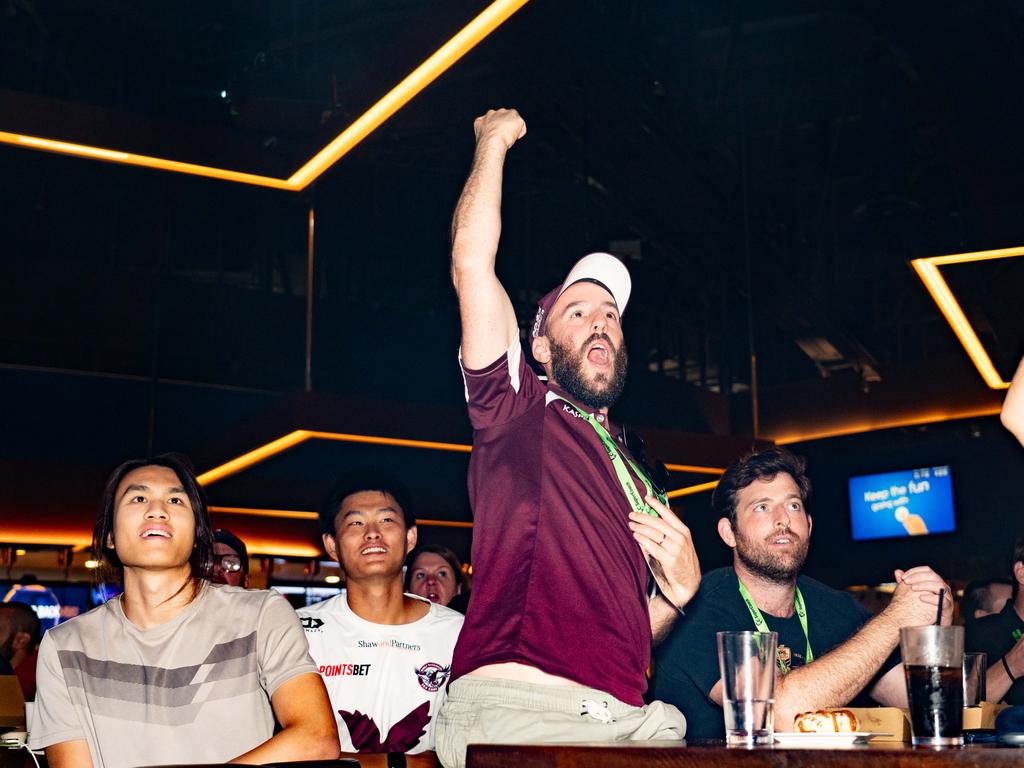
1007	668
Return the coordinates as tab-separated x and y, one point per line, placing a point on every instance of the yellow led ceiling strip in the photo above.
292	439
928	270
692	489
464	41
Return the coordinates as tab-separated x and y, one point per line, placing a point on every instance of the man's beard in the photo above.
780	567
567	371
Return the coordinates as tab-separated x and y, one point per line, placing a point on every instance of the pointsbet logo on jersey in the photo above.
432	676
345	670
311	623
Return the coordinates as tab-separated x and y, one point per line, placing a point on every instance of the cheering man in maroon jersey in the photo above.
568	526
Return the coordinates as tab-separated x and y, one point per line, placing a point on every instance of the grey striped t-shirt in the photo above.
193	690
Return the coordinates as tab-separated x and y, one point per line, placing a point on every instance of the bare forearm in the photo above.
488	319
308	730
891	690
997	682
476	225
835	678
663	617
295	743
69	754
1012	414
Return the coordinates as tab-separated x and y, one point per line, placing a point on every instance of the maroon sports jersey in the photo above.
559	583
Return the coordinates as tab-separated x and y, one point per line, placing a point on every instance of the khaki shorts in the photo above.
480	710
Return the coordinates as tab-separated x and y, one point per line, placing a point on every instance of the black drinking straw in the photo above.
942	596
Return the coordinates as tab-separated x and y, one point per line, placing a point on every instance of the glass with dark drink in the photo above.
933	664
936	700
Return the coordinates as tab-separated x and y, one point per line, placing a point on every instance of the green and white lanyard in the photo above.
762	625
619	464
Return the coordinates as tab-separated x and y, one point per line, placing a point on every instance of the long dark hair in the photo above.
111	568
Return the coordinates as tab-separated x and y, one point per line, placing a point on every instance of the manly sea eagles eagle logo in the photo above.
311	622
432	676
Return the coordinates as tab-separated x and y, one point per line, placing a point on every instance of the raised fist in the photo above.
503	125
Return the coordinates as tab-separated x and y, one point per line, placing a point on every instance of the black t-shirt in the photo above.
687	662
995	635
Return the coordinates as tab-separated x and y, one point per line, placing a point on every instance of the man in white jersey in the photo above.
385	656
176	670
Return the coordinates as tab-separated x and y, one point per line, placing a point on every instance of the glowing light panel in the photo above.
928	270
292	439
464	41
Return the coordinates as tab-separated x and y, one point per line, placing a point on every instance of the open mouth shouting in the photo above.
373	549
598	350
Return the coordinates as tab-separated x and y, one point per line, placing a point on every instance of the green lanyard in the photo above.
635	500
762	625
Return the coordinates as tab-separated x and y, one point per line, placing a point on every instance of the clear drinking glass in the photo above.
975	667
747	663
933	659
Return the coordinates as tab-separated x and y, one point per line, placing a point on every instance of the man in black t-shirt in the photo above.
984	597
1001	636
828	656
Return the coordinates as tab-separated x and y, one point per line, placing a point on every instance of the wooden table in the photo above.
11	758
674	754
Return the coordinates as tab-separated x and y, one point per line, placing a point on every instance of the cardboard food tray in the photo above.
897	721
983	715
883	720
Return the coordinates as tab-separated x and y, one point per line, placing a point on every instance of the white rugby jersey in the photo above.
386	683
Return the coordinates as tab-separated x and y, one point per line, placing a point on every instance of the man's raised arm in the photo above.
488	320
1012	414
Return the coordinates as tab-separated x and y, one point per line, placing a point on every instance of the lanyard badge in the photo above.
618	460
785	655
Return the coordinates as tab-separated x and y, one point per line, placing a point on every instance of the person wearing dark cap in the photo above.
568	525
984	597
1001	636
230	560
19	638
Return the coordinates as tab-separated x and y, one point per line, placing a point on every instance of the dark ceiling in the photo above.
767	169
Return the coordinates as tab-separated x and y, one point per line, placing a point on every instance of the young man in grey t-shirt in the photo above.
176	670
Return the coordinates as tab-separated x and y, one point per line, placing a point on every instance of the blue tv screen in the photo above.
911	502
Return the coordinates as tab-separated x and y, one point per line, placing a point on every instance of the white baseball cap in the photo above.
602	269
